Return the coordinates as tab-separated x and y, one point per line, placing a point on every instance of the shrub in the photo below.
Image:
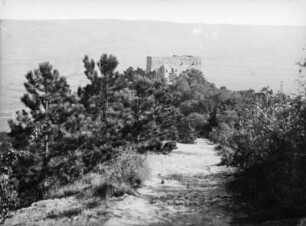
223	134
121	175
269	145
185	132
129	167
8	194
198	122
67	168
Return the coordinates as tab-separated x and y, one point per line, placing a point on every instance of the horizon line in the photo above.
145	20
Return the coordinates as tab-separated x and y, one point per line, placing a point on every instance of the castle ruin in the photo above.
172	65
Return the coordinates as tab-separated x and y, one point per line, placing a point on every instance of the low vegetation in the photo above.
265	139
125	172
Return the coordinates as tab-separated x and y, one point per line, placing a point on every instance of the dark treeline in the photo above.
63	135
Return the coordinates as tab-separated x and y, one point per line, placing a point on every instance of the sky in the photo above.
253	12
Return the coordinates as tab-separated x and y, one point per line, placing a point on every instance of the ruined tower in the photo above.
172	65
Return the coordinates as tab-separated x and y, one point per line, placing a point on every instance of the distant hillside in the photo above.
239	57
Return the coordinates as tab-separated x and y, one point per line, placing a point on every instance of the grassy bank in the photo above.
85	201
120	176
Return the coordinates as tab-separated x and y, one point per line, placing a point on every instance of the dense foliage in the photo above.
62	135
266	141
8	194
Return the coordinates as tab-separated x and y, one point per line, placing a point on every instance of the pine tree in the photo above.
49	100
46	130
96	95
140	105
105	100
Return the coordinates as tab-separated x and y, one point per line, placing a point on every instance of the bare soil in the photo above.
186	187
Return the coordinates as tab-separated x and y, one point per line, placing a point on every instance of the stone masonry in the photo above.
172	65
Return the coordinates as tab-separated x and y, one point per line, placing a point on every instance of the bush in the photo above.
268	147
129	167
67	168
223	134
185	131
198	122
121	175
8	194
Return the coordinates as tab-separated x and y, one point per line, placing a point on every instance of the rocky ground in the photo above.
186	187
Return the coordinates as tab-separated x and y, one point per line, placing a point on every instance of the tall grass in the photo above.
122	175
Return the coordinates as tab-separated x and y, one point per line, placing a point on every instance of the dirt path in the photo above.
186	187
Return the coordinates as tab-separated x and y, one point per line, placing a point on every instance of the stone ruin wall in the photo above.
174	64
